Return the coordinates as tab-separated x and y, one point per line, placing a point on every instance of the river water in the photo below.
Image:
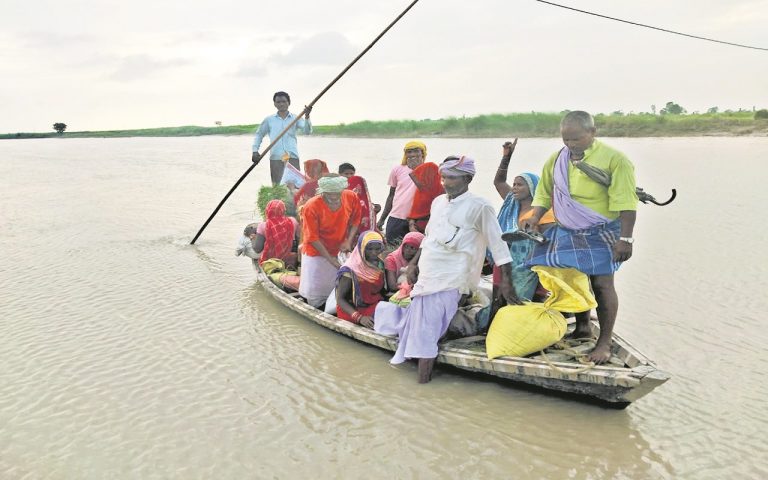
127	353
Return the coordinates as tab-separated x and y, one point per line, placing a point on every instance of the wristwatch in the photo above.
629	240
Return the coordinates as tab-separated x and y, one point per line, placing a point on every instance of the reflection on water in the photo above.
129	353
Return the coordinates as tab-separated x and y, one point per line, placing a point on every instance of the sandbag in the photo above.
570	290
519	330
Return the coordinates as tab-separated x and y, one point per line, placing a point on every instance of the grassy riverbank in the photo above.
494	125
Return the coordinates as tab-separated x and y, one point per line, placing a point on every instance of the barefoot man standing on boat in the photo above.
462	225
594	223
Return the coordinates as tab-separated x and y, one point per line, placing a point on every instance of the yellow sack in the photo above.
519	330
273	265
569	289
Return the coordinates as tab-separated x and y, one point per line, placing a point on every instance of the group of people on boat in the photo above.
409	276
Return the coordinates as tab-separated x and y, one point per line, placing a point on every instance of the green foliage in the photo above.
275	192
761	114
672	109
533	124
59	127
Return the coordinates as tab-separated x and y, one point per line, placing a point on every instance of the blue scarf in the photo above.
510	209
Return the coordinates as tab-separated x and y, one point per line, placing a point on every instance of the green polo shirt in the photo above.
605	201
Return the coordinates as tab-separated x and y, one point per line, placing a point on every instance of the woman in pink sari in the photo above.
360	281
395	263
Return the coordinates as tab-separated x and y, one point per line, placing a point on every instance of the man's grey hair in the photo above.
579	118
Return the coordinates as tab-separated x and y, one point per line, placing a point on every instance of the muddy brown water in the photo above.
127	353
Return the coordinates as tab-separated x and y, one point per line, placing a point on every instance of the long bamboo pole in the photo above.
301	115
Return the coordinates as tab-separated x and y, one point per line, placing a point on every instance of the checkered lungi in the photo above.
590	251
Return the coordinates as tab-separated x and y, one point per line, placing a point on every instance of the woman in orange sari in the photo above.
313	170
428	187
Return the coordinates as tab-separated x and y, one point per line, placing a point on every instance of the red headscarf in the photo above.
313	170
429	187
279	232
367	215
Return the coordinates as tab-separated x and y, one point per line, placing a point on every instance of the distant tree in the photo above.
762	113
618	113
671	108
218	123
712	110
59	127
653	109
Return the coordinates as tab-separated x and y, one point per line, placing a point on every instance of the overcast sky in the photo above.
101	64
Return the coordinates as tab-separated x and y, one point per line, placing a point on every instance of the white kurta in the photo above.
453	250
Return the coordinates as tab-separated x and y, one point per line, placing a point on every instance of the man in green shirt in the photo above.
594	226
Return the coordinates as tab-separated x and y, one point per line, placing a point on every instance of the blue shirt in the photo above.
272	126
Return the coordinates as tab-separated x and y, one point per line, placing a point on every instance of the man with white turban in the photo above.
461	227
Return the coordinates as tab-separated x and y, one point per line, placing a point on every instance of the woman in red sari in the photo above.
428	187
360	281
275	238
313	170
367	214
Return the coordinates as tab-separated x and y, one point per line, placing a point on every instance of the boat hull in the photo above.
617	386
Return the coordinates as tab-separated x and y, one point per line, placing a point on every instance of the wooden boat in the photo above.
628	376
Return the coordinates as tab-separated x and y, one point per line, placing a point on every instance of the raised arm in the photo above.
500	180
306	123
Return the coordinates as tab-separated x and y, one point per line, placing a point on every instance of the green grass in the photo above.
490	126
186	131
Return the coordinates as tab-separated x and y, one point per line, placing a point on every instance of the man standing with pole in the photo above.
286	148
257	157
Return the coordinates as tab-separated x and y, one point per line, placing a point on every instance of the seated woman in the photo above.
360	281
397	261
516	208
275	237
428	186
313	170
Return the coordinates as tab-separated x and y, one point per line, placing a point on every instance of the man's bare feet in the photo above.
579	333
426	365
600	354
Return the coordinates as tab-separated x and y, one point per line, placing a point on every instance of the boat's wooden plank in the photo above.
465	341
604	376
570	371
